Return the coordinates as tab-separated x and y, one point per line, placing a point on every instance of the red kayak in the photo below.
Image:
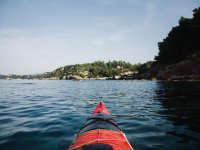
100	133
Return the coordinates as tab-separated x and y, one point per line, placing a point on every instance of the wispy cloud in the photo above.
115	37
106	40
150	12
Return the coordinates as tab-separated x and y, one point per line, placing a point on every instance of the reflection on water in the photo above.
46	114
182	103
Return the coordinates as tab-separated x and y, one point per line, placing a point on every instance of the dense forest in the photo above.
179	53
93	70
182	41
97	69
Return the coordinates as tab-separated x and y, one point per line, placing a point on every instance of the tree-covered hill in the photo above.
97	69
179	53
182	41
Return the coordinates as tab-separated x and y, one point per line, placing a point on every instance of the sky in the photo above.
37	36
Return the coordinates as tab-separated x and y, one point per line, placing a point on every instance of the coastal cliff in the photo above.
179	53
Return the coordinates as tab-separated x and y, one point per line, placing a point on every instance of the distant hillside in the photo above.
97	69
13	76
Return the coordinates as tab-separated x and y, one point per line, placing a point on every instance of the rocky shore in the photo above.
188	69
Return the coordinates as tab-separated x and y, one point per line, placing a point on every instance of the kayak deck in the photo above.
116	140
101	108
100	133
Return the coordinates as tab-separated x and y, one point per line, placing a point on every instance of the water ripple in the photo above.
46	114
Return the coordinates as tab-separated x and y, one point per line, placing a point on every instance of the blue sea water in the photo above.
45	115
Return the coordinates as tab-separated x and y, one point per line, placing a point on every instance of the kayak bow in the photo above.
100	133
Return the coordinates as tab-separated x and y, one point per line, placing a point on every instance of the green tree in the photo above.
182	40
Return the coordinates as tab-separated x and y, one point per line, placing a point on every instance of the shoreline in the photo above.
188	80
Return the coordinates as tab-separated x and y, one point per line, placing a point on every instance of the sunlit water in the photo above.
45	115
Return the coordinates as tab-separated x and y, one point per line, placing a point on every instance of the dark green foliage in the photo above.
182	41
87	70
144	68
93	70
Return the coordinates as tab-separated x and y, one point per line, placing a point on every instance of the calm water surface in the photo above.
45	115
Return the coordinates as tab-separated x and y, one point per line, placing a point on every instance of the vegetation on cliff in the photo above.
179	53
182	41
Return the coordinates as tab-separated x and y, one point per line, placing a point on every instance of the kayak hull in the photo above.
100	132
